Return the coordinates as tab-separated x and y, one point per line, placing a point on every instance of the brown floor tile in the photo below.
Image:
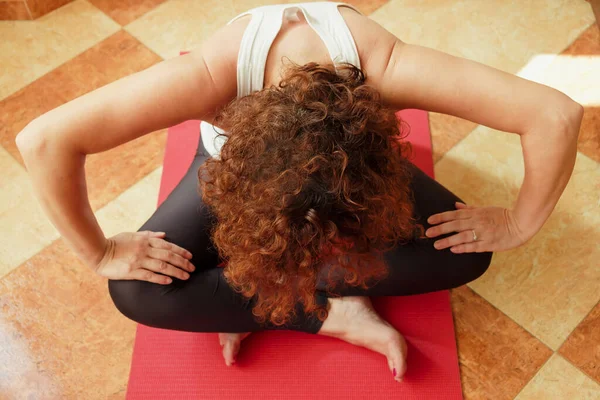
125	11
588	43
111	172
446	131
62	336
366	6
582	348
497	357
31	49
117	56
39	8
559	380
589	134
14	10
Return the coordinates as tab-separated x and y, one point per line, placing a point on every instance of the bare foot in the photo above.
231	345
354	320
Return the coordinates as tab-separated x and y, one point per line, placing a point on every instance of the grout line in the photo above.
147	12
28	11
516	74
144	44
576	326
578	36
534	375
507	316
582	319
455	144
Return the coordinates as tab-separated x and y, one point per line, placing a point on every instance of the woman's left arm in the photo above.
547	120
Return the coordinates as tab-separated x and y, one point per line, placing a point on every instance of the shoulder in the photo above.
220	54
373	42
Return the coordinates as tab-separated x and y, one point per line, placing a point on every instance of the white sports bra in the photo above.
323	17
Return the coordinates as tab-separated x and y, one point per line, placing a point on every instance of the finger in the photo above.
164	268
452	226
163	244
152	234
461	205
475	247
141	274
171	258
459	238
449	216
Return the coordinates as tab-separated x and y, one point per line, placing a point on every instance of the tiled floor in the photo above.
528	329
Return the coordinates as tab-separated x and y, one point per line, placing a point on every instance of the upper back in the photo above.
299	43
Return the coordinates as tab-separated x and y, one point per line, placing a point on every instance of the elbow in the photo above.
30	140
569	117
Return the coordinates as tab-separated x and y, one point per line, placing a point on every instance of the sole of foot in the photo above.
354	320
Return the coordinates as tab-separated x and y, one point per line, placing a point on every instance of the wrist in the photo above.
525	223
94	257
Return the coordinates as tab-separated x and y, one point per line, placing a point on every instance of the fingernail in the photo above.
394	371
192	268
436	245
186	276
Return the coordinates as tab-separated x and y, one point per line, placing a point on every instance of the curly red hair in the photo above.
312	169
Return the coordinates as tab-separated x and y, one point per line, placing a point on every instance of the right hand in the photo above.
144	256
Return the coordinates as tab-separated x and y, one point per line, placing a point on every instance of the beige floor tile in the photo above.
39	8
575	73
366	6
447	131
111	172
125	11
129	211
25	228
588	43
582	348
549	285
589	134
497	33
497	357
182	25
30	49
62	337
576	76
559	380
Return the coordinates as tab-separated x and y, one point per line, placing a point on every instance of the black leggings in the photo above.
205	302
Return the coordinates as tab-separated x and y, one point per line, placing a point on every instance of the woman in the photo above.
308	197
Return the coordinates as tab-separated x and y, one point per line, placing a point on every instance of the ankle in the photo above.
334	324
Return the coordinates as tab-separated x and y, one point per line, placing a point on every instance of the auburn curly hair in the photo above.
312	170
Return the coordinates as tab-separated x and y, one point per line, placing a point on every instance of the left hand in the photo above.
495	228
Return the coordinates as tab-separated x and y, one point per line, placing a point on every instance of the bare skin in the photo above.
354	320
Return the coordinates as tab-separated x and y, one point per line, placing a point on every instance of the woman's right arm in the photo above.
54	146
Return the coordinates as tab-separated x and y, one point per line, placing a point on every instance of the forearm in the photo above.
549	152
58	178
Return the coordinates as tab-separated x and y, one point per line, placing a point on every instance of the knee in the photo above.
477	264
131	299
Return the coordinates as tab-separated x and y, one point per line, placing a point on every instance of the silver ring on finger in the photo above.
474	235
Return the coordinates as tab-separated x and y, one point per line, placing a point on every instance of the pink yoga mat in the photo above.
295	365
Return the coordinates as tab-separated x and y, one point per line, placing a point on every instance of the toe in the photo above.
228	353
397	359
